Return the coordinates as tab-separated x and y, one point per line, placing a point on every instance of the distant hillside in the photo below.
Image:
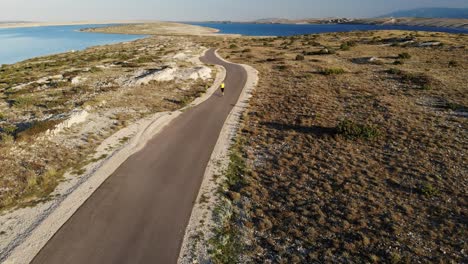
431	13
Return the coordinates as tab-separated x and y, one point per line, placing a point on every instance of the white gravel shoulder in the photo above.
199	230
31	228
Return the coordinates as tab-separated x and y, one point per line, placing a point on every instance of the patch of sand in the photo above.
156	28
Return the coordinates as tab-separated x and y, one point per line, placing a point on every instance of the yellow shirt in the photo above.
222	85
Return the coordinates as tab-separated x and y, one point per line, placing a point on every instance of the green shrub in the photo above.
6	138
246	50
347	45
404	56
352	130
233	46
331	71
429	190
398	62
2	116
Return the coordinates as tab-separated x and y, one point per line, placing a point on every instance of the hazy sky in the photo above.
185	10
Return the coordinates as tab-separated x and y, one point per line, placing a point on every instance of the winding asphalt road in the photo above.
140	212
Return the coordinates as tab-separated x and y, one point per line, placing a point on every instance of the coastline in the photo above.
77	23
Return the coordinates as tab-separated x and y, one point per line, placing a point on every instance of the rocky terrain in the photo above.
55	110
352	151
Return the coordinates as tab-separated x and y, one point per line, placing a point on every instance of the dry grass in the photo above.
37	94
363	167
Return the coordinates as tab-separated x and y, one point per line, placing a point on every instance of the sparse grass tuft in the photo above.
6	139
429	190
332	71
347	45
454	106
404	56
24	102
36	128
352	130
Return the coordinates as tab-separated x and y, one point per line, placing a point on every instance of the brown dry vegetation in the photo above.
364	162
37	94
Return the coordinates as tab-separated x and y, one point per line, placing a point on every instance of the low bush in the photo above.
23	102
246	50
6	138
347	45
281	67
453	64
233	46
37	128
331	71
454	106
8	129
394	71
421	80
2	116
352	130
398	62
429	190
300	57
404	56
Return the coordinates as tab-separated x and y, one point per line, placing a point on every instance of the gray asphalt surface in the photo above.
140	213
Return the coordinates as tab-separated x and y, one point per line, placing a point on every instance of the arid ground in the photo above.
353	150
104	88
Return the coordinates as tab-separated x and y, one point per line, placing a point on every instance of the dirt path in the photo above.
140	213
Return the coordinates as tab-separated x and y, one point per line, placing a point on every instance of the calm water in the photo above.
17	44
289	30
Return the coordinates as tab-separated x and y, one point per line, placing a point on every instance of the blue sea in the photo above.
17	44
290	29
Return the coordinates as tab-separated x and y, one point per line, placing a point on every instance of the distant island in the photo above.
434	17
437	12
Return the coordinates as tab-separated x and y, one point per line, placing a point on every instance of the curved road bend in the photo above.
140	212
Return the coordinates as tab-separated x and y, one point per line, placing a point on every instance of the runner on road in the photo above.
222	87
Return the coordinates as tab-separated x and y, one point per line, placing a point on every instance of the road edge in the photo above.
201	213
24	249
